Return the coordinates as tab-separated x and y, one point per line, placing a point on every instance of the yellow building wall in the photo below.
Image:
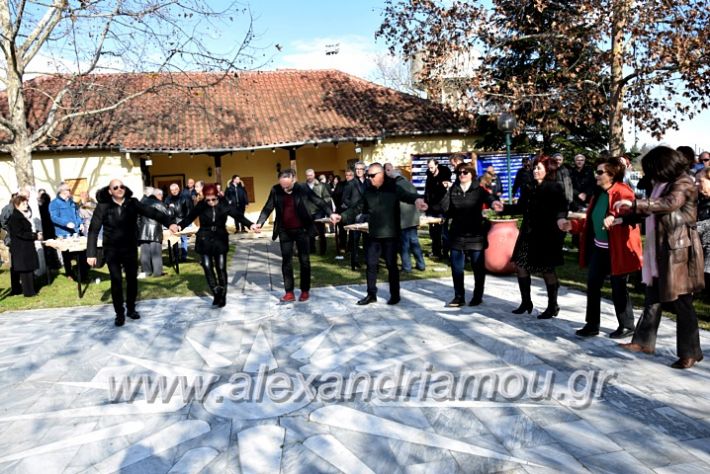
399	151
261	165
52	168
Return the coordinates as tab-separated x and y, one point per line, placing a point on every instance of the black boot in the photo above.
217	291
222	298
552	308
526	304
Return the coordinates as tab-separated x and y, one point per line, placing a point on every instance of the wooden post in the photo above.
218	168
292	157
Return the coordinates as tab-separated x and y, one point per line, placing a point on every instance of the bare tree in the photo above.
73	40
396	73
573	61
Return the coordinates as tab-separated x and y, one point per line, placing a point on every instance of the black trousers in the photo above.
354	244
120	260
687	334
22	282
341	237
435	233
320	229
599	269
300	237
215	267
82	266
387	248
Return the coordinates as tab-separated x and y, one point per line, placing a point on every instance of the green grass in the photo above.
62	292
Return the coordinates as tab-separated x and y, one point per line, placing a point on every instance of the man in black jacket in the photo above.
438	178
150	235
321	191
180	204
117	212
583	183
293	224
237	197
351	194
381	204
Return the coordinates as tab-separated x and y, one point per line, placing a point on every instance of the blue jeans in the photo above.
184	239
410	240
458	262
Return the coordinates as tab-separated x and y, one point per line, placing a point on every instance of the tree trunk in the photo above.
21	145
620	9
22	157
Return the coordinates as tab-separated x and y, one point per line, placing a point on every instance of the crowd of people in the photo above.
597	205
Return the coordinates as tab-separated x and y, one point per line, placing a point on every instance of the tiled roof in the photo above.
209	111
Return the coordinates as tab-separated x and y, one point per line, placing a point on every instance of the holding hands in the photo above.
255	228
623	207
564	224
421	205
497	206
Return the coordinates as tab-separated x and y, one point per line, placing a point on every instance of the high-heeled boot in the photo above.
552	308
526	304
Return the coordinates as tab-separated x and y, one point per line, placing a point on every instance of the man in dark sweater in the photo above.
117	212
294	224
380	202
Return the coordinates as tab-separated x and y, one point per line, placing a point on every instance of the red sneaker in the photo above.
288	297
304	296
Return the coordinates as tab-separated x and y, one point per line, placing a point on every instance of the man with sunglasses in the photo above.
380	202
117	212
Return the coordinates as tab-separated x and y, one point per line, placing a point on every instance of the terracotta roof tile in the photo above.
209	111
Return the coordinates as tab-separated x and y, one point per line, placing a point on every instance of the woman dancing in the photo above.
212	242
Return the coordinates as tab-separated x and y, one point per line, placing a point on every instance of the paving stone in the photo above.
54	362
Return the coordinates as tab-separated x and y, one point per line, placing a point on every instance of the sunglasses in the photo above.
459	173
705	160
599	172
121	186
372	175
213	199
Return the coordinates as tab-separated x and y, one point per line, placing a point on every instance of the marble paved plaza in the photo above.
57	368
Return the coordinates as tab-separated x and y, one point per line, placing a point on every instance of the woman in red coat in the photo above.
608	247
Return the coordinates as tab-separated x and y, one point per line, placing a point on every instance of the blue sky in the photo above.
303	29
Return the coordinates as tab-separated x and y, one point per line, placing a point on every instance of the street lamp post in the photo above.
506	124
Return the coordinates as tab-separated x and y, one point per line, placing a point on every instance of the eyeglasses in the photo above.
599	172
459	173
705	160
214	199
121	186
359	169
372	175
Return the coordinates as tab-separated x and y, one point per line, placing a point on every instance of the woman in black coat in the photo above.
23	254
463	205
539	245
212	242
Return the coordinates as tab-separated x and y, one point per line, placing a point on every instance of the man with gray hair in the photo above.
321	191
67	223
150	236
583	183
351	194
